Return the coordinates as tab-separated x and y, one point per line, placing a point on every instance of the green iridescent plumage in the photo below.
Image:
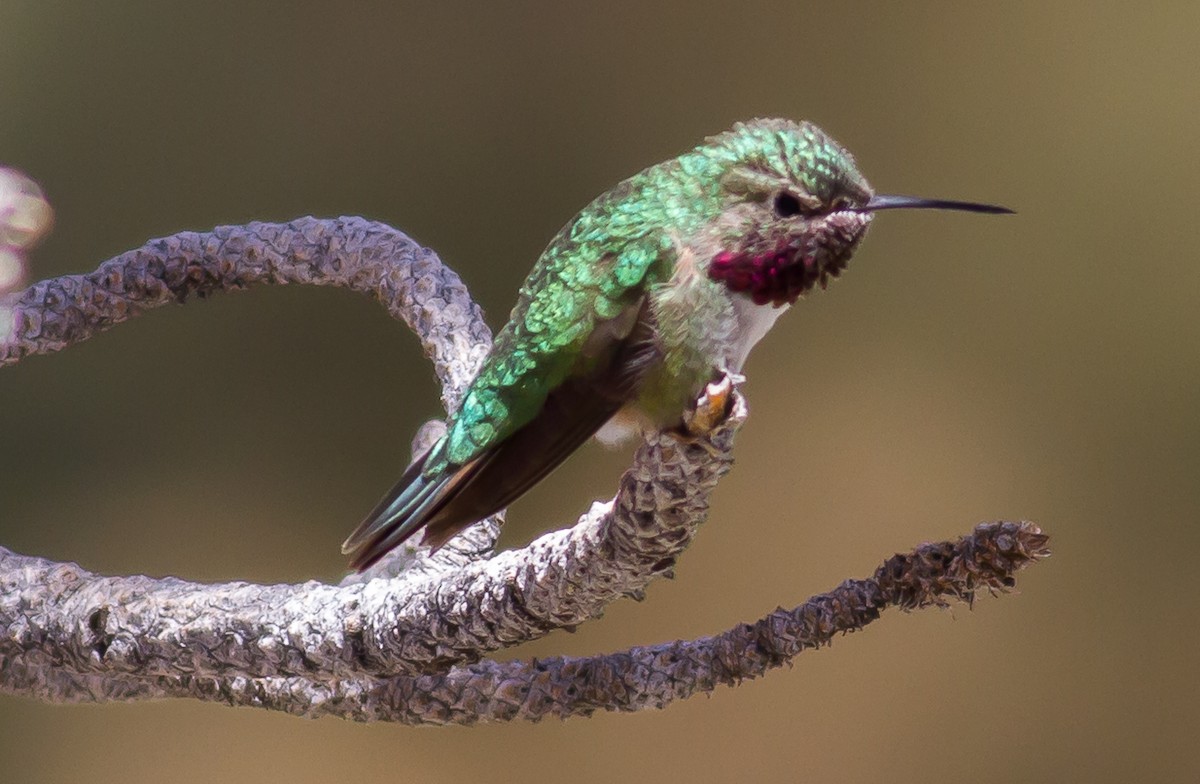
653	289
616	247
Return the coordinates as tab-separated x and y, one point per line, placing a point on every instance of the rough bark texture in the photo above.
354	253
401	643
642	677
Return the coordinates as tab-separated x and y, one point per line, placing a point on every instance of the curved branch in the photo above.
353	253
637	679
384	648
409	624
449	610
373	258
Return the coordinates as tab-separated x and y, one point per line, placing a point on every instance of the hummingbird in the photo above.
655	289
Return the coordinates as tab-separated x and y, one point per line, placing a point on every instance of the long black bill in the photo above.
916	203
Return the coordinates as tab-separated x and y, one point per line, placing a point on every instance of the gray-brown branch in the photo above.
367	648
433	613
640	678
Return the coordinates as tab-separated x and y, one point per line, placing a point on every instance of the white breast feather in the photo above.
754	321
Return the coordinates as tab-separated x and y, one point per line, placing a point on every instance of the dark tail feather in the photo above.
446	503
398	516
570	415
450	500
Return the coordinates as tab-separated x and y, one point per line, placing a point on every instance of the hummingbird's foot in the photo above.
712	407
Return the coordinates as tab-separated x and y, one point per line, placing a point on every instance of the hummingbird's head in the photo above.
793	208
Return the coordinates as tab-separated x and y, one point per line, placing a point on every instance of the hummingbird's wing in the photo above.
574	352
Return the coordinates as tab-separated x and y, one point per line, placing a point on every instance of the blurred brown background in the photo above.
966	368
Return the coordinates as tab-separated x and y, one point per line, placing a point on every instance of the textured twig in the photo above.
383	648
447	611
349	252
640	678
416	624
352	253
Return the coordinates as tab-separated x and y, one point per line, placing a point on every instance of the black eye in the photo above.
786	205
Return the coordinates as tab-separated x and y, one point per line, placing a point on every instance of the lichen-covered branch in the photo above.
422	623
438	611
402	642
353	253
373	258
640	678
